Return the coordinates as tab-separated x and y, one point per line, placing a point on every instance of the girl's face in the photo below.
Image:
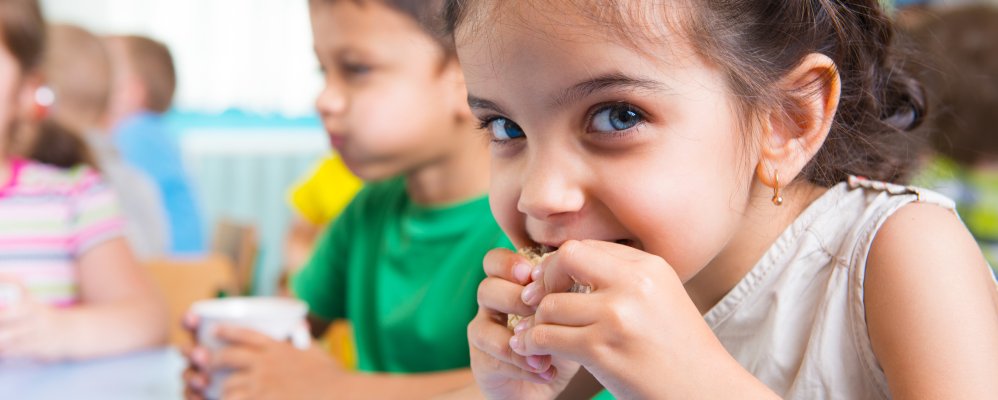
388	104
595	140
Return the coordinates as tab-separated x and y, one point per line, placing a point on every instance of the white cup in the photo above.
279	318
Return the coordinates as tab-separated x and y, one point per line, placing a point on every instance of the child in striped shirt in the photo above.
69	285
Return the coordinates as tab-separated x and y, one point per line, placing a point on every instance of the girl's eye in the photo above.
616	117
503	129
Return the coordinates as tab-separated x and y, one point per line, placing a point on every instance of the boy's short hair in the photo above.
78	70
427	13
963	81
152	63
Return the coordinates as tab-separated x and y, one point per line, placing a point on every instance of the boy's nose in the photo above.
550	189
331	101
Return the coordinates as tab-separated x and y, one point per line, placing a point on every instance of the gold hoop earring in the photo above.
777	198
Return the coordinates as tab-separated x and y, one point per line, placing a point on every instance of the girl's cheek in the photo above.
502	200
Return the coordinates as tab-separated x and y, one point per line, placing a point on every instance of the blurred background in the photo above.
243	111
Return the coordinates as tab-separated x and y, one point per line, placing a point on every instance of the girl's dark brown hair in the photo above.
757	42
22	30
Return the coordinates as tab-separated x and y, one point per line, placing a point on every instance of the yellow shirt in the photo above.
320	196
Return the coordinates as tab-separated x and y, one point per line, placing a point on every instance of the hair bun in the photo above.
905	104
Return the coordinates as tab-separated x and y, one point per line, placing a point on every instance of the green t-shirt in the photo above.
406	276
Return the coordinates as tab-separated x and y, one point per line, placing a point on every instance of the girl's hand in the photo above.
637	332
195	376
499	372
28	329
263	368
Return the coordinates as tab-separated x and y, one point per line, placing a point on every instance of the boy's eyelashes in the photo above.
348	69
356	68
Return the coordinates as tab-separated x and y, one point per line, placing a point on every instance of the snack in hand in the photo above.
535	255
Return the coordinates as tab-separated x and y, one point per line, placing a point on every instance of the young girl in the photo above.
71	286
695	164
402	261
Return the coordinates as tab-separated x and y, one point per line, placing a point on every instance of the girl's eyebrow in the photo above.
610	81
581	90
477	103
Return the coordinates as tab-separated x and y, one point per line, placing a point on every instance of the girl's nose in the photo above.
550	188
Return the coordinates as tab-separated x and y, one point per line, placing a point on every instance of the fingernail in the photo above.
529	292
536	274
534	362
521	271
520	327
514	342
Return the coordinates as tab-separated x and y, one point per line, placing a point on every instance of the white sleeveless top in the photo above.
797	320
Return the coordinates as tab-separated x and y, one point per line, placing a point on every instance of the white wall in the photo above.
250	54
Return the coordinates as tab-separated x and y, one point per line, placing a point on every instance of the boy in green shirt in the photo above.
404	260
409	284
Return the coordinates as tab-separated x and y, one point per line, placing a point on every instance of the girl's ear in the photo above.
794	132
30	107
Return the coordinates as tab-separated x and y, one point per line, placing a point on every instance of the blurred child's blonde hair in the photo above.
78	70
152	63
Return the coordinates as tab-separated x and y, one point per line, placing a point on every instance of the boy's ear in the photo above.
458	92
135	92
792	134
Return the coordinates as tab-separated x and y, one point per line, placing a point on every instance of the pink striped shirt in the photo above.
50	218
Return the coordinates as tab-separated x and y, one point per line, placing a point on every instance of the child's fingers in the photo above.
483	363
543	283
491	338
505	264
236	394
554	340
535	363
195	380
231	357
192	394
503	296
243	337
197	357
191	322
569	309
237	386
590	262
